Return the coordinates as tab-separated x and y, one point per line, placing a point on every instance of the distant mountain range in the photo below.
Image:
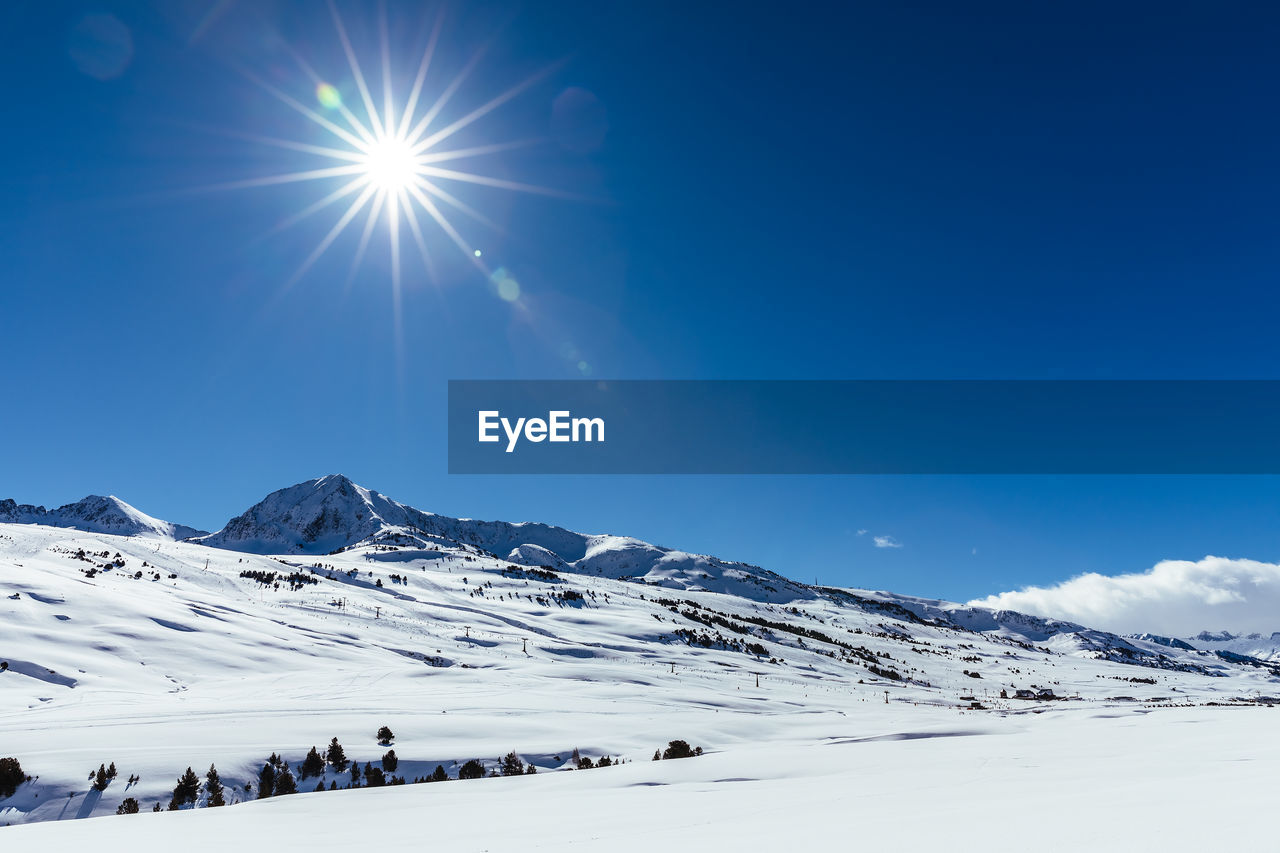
332	514
1225	644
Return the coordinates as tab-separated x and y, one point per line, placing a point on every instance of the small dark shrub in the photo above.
678	749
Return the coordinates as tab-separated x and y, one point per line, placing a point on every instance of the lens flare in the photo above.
328	96
508	287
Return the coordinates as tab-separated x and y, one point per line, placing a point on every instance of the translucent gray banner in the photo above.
864	427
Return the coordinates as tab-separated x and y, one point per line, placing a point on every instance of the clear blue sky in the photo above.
880	190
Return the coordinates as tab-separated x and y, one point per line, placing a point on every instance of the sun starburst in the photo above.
387	161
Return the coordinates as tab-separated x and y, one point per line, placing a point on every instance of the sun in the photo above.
391	165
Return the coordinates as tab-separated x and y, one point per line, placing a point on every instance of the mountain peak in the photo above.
334	481
315	516
331	513
97	514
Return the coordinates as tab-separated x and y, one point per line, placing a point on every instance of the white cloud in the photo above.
1174	597
887	542
862	532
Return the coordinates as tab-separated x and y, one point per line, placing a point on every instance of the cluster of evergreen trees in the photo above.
294	580
335	758
102	777
187	791
277	778
584	762
677	749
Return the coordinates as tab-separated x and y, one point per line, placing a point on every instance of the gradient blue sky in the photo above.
828	191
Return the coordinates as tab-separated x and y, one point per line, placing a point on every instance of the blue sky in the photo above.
850	191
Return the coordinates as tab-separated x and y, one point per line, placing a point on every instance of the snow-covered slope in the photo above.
329	514
894	782
158	655
97	514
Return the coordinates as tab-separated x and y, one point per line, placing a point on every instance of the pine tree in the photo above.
319	787
390	761
374	777
100	780
336	756
385	736
312	765
129	806
111	771
266	781
471	770
186	790
213	787
512	765
439	774
285	783
355	773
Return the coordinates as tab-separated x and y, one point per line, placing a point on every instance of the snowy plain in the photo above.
852	722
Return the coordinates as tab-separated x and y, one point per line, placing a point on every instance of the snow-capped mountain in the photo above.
1057	635
317	517
331	513
97	514
1258	646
